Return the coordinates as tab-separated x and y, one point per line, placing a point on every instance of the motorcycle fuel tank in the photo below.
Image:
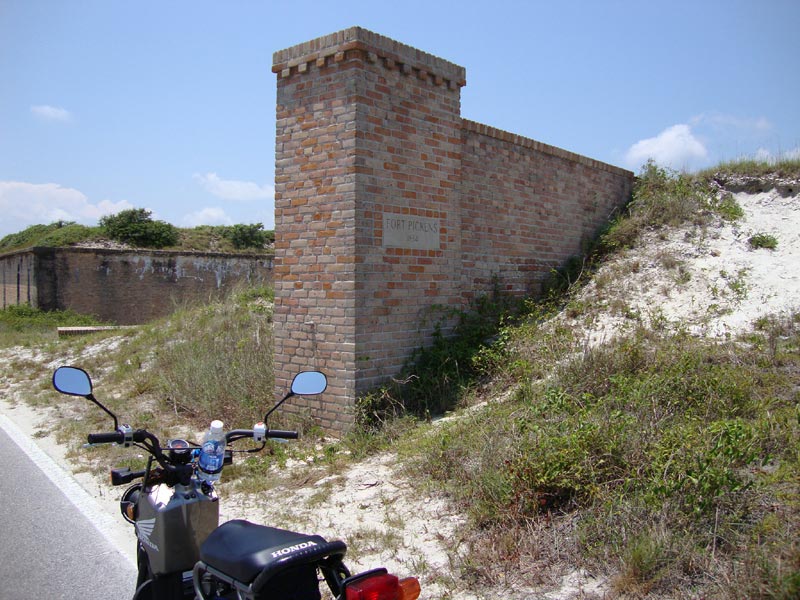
171	524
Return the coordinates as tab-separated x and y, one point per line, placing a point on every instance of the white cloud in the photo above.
207	216
51	113
675	147
755	125
230	189
23	204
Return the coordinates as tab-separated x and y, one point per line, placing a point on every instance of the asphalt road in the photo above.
49	548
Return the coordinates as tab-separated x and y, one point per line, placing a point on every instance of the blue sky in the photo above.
170	105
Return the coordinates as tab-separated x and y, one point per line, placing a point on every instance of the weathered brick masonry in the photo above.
121	286
389	204
17	279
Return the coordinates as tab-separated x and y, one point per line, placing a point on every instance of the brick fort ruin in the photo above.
389	204
124	286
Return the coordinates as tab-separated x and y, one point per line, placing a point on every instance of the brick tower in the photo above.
366	210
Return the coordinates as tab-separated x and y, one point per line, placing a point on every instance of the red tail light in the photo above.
383	586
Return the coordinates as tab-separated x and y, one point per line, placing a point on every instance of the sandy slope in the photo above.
710	281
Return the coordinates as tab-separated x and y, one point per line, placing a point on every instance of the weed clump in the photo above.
763	240
437	376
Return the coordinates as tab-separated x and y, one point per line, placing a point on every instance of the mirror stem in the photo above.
112	415
274	408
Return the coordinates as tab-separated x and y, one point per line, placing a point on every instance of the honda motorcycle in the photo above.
182	551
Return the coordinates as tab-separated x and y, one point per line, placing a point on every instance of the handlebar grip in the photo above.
285	435
105	438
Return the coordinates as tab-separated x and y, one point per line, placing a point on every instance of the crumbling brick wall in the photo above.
17	280
121	286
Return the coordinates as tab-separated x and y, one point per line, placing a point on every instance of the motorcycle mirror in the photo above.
76	382
72	381
306	383
309	383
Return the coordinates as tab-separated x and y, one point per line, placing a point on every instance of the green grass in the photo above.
205	238
60	233
206	361
785	168
173	376
650	451
665	461
21	325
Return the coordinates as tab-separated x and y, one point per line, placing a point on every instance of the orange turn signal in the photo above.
409	589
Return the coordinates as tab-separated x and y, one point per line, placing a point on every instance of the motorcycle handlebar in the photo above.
239	434
118	437
140	435
106	438
285	435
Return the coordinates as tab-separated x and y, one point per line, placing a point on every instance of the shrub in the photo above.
247	236
136	227
661	197
437	376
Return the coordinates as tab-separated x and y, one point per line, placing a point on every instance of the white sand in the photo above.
712	282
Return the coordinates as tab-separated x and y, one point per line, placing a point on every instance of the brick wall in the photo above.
526	207
408	152
368	137
390	206
314	276
121	286
17	281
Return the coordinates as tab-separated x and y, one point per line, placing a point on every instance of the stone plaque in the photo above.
410	231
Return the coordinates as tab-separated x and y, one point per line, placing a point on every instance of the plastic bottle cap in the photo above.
216	426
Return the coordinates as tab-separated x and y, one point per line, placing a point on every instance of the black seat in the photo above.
243	550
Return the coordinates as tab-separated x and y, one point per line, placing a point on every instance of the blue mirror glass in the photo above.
72	381
309	383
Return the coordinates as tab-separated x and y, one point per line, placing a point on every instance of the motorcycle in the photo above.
182	550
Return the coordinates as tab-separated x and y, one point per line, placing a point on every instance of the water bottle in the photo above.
212	453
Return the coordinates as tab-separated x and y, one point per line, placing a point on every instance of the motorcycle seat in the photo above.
245	551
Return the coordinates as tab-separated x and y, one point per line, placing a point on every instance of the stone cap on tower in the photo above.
373	48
